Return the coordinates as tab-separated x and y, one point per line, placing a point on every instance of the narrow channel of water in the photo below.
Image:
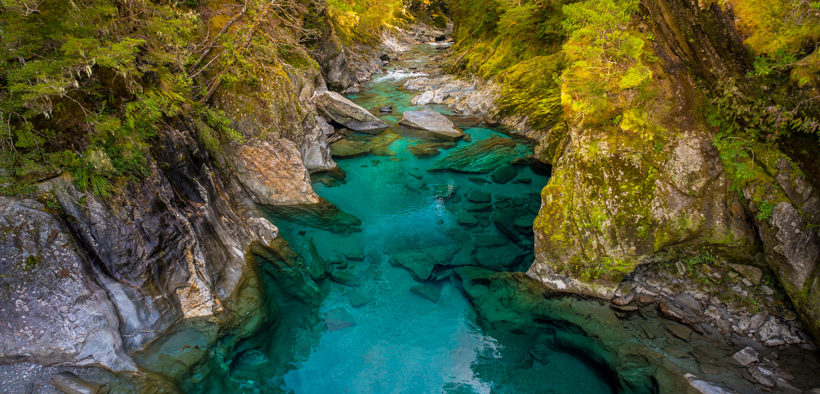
391	315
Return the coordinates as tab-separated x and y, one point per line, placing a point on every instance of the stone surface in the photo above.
745	356
336	107
504	174
481	156
430	291
435	124
273	173
53	311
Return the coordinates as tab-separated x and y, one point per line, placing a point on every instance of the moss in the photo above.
31	261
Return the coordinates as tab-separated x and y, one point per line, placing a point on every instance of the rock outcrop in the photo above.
436	125
54	311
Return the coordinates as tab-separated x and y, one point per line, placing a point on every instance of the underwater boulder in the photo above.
428	149
435	124
482	157
343	111
504	174
430	291
338	319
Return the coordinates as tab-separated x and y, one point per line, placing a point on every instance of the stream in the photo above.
382	309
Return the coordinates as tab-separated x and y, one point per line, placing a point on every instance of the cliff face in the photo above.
666	184
144	278
671	127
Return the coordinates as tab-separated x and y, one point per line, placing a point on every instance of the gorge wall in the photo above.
671	127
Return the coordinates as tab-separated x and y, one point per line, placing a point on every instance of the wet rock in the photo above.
683	308
429	149
434	123
357	299
745	356
444	191
479	196
386	109
479	207
466	219
338	319
504	174
420	262
343	111
500	258
430	291
680	331
525	181
322	215
53	310
70	383
479	180
523	222
346	148
482	156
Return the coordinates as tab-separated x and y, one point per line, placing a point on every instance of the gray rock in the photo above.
53	310
436	124
679	331
745	356
762	375
70	383
345	112
753	274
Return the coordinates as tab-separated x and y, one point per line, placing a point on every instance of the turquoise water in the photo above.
380	309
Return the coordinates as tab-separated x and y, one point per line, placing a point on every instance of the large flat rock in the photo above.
336	107
482	156
436	124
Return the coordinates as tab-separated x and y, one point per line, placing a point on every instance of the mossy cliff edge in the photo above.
140	143
676	130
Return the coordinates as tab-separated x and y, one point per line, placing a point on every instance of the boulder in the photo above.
428	149
434	123
273	173
429	291
504	174
745	356
338	319
482	156
336	107
53	310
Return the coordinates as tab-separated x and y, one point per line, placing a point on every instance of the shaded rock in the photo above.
481	157
338	319
428	149
499	258
466	219
525	181
53	310
683	308
430	291
420	262
479	196
762	375
745	356
70	383
479	180
444	191
436	124
343	111
386	109
322	215
679	330
357	299
749	272
504	174
345	148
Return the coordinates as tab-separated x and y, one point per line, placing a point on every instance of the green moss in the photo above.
31	261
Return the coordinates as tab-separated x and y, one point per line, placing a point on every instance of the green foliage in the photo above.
765	65
765	210
363	20
31	261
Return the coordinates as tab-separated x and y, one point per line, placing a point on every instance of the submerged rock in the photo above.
504	174
343	111
436	124
428	149
357	299
338	319
352	145
482	156
420	262
430	291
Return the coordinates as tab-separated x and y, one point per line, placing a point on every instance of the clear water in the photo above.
379	329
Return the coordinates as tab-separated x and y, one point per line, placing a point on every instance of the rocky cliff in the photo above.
134	281
672	144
